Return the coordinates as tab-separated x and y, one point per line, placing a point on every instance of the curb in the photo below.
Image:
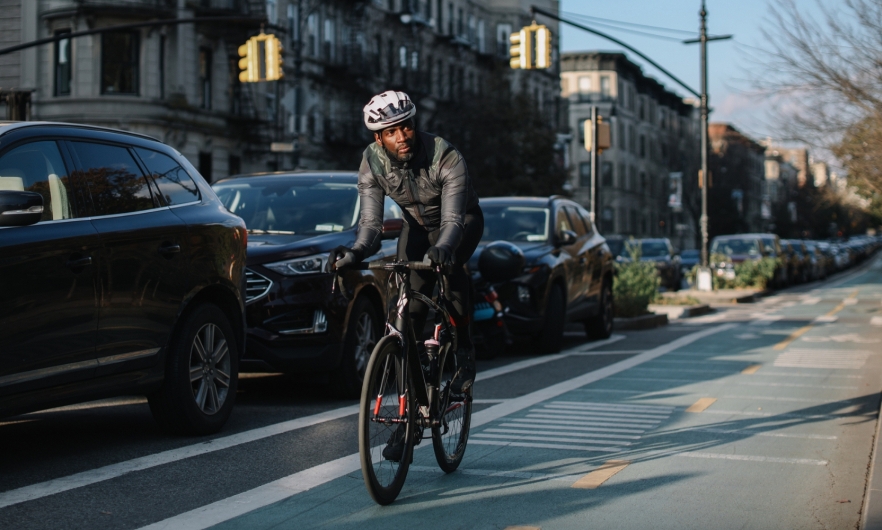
649	321
675	312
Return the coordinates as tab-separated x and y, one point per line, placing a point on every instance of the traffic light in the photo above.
273	50
250	61
531	47
261	59
522	51
543	47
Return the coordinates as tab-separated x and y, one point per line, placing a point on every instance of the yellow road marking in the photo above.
801	331
600	475
701	405
752	369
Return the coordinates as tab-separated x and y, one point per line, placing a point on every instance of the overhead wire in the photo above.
624	23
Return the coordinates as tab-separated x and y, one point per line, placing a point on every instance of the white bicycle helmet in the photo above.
388	109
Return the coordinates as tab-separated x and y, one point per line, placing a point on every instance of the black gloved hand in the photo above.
342	256
440	255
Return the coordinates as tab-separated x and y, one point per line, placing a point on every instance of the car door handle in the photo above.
168	249
79	263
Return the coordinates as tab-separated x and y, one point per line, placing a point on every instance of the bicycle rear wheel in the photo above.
449	439
378	422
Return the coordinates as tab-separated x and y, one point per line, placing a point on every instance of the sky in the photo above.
730	65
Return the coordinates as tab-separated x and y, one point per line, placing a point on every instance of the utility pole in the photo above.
703	39
593	209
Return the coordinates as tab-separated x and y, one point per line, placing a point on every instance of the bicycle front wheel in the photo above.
450	437
385	437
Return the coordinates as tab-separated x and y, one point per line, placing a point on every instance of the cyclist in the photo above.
428	178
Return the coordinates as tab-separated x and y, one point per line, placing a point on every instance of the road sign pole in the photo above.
593	199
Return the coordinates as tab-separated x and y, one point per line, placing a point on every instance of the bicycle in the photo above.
404	394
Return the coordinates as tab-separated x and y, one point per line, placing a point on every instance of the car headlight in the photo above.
298	266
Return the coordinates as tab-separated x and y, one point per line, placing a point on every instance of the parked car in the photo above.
295	323
820	264
803	265
568	271
772	249
736	249
667	262
688	260
120	273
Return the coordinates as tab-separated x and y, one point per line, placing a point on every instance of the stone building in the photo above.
737	181
179	82
654	133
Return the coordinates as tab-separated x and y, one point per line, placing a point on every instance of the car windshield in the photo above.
291	207
689	254
616	246
515	223
653	249
769	243
731	247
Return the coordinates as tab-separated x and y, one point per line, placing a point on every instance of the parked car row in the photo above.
798	261
659	251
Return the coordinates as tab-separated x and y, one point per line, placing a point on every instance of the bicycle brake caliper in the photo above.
402	402
377	405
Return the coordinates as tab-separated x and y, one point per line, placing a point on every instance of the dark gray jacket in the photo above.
433	188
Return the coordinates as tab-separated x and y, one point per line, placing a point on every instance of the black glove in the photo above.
342	256
440	255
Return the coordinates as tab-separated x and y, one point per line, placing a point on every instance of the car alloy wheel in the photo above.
210	368
365	340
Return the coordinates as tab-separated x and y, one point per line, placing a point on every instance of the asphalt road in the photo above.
757	416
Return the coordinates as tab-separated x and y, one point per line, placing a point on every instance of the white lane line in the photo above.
602	422
810	300
541	438
607	352
504	474
822	359
587	426
748	432
529	363
828	319
615	406
770	398
772	373
226	509
699	381
613	438
560	409
850	301
749	458
777	415
506	443
85	478
876	321
625	433
766	320
797	385
607	419
687	371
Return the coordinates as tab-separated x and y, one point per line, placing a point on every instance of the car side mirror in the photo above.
20	208
392	228
566	237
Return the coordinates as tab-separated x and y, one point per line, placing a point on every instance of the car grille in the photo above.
256	286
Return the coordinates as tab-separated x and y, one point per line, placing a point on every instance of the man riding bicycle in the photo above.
428	179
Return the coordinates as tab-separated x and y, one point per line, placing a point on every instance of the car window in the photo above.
735	246
38	167
562	223
586	218
576	222
391	210
653	249
174	184
113	179
515	223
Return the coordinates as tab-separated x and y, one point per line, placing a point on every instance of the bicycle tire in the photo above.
450	438
383	478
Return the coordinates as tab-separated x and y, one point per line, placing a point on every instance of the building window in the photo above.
62	65
581	131
205	165
162	67
392	58
642	146
205	76
503	33
234	165
604	86
606	173
450	18
329	39
312	28
584	84
482	40
402	57
120	53
293	23
272	11
585	175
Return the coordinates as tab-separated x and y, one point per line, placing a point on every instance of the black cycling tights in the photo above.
412	246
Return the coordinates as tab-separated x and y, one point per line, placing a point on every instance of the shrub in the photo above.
636	284
755	274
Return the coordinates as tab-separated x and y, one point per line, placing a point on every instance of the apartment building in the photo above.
179	82
654	133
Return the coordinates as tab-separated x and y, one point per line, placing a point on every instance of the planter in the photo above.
649	321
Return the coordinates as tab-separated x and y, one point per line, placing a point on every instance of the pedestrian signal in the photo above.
603	135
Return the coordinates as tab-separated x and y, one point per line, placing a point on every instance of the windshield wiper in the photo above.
270	232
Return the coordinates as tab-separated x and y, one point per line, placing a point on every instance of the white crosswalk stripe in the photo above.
578	426
825	359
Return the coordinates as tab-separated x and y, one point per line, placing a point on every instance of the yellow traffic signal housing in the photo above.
603	135
261	59
249	62
543	47
273	50
522	51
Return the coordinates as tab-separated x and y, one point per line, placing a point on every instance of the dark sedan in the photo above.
295	323
667	262
568	270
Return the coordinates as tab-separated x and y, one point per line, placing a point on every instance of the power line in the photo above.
632	24
633	31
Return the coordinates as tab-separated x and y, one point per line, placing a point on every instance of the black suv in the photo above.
568	273
296	324
120	273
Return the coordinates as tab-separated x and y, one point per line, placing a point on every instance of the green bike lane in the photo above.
758	423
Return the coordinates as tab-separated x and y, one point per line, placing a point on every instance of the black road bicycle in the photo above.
406	389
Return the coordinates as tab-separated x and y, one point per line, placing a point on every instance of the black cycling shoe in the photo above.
465	374
394	449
